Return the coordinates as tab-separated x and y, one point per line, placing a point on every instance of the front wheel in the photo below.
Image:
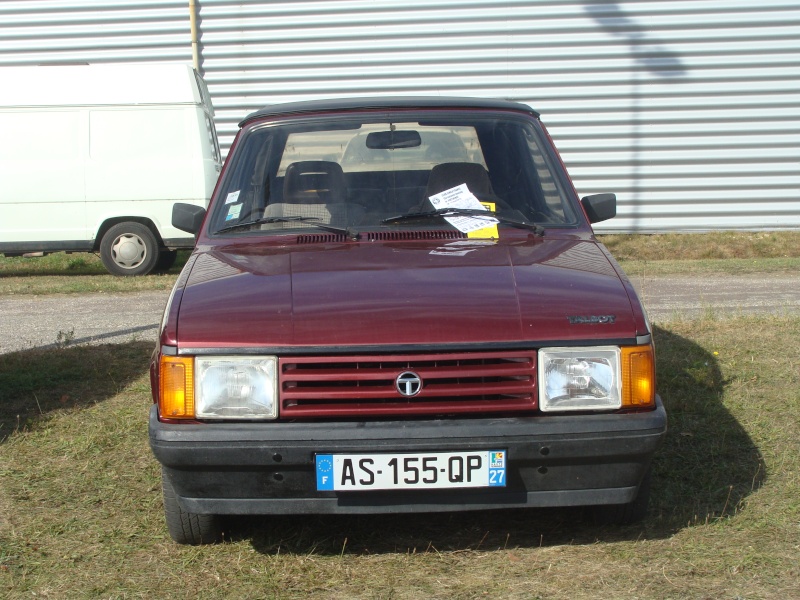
185	527
129	249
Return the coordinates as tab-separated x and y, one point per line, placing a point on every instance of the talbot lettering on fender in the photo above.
592	320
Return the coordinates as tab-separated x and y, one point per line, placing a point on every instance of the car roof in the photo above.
385	103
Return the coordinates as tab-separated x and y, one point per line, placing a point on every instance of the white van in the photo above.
92	158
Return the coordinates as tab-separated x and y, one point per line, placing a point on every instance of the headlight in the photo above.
236	387
579	378
219	387
597	378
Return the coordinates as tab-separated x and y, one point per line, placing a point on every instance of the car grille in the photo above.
337	386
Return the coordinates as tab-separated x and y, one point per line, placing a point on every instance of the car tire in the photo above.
166	258
624	514
129	249
185	527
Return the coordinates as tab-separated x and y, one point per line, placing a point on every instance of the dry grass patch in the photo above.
80	497
724	252
720	245
79	273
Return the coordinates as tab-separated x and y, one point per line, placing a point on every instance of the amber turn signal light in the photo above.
638	377
176	387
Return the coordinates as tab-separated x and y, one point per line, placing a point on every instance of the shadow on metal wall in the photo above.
652	62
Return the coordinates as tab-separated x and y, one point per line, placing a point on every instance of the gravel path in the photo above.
45	321
33	321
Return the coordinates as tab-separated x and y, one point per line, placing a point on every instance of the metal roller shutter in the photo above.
687	109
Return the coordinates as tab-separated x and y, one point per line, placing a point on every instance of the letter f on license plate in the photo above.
429	470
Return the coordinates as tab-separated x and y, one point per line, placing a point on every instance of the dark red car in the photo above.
399	305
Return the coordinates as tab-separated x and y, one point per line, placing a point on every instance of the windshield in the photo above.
357	173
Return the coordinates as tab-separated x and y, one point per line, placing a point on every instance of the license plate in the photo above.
426	470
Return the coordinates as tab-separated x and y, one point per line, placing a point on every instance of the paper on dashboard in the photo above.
461	197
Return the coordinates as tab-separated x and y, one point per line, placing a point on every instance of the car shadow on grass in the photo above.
37	383
704	471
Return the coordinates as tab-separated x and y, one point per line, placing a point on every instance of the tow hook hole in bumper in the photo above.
278	476
542	470
544	451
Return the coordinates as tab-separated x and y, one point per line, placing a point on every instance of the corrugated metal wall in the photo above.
63	31
688	109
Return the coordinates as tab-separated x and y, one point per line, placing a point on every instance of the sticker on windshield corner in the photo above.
232	197
233	212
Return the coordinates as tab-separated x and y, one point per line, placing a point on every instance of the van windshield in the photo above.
346	172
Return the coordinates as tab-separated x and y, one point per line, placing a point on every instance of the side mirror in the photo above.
600	207
188	217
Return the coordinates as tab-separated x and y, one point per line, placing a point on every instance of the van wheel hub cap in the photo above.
128	251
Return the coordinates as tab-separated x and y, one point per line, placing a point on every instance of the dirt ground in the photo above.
36	321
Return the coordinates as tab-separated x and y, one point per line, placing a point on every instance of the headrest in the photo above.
449	175
314	182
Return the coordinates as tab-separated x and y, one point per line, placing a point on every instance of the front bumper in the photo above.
268	468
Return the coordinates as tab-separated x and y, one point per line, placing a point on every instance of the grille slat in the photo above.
419	409
375	374
337	386
324	394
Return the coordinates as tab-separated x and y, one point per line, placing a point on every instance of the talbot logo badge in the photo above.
592	319
408	384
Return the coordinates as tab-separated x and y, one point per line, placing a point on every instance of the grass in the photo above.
729	252
740	253
81	514
81	273
721	245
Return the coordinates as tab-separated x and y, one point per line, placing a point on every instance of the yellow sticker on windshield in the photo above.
486	232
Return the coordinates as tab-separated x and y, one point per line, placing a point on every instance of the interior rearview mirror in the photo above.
390	140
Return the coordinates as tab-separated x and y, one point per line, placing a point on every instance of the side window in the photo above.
551	192
212	139
247	188
315	145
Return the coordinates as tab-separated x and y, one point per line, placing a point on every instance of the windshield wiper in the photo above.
292	219
464	212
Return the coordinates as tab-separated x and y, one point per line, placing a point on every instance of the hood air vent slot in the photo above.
321	238
382	236
394	236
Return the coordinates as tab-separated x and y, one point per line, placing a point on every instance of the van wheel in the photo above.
129	249
185	527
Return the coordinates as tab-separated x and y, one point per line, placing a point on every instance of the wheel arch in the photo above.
110	222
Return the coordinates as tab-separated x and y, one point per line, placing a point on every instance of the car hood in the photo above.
371	294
